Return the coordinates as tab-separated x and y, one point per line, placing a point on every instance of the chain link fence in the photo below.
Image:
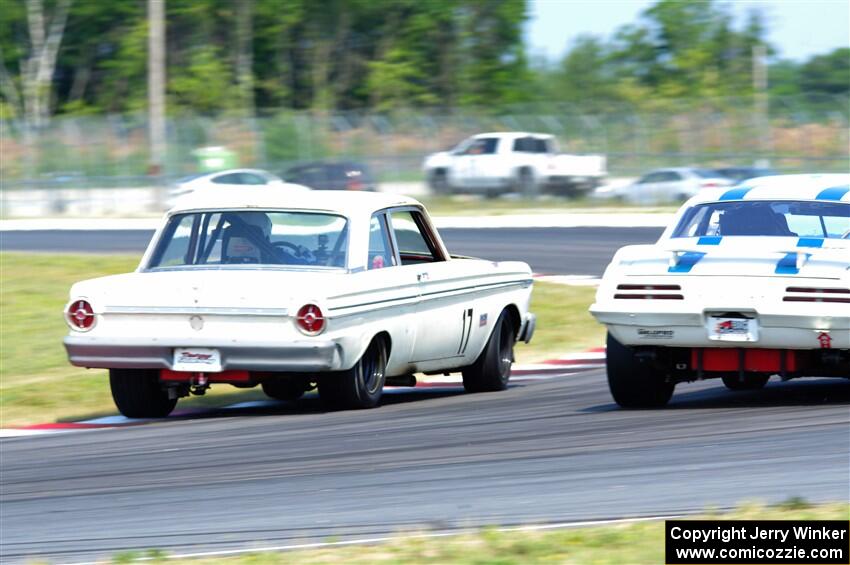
112	151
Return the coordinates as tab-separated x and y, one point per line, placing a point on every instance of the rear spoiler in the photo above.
793	260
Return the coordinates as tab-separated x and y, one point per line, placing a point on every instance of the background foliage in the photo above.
337	55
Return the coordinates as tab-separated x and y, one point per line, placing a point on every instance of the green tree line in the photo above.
253	56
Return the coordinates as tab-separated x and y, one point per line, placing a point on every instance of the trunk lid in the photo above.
207	288
741	256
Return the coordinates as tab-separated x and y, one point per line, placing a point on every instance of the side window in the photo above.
250	178
474	148
836	226
178	248
414	246
713	225
540	146
483	146
380	250
673	176
524	145
805	225
233	178
490	145
462	147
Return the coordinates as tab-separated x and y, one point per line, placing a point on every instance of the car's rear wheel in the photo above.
567	190
362	385
634	382
439	182
750	382
286	389
525	183
138	393
492	370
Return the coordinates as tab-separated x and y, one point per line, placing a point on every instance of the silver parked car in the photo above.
669	185
228	179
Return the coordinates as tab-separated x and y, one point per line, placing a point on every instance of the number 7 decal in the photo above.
467	330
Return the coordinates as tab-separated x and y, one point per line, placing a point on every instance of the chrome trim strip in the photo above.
197	310
389	302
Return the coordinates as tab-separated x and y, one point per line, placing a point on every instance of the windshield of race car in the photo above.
234	238
777	218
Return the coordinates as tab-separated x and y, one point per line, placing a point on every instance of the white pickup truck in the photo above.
528	163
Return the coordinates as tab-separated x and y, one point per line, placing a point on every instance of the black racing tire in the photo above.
634	383
751	382
138	394
438	181
525	184
567	190
362	385
286	389
492	370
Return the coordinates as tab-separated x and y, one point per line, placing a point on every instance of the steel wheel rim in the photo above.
505	350
372	368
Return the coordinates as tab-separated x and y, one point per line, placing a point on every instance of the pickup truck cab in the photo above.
528	163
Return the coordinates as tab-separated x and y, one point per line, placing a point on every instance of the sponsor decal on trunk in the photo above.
731	327
644	333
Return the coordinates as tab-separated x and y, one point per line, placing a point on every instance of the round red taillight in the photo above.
310	319
80	315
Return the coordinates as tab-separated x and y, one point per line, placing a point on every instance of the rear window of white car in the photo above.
779	218
252	238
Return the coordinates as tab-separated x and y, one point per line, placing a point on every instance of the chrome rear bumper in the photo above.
526	331
304	356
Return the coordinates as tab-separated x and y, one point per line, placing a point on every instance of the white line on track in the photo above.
385	539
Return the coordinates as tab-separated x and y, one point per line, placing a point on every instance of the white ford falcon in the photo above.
344	291
747	282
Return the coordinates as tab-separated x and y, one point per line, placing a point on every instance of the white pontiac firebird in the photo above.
747	282
288	289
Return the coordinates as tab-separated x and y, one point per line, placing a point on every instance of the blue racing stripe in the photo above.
834	193
788	264
736	193
686	262
810	242
709	240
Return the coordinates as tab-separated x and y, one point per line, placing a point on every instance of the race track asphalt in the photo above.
562	251
553	450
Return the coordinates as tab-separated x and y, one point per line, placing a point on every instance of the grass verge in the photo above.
38	385
633	543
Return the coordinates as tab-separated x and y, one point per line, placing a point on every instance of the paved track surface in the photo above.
565	251
551	450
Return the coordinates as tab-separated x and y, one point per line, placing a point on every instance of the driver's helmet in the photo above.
239	244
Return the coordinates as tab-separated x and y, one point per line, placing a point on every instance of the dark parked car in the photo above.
323	175
743	173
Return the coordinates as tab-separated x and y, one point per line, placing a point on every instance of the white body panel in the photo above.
231	178
248	312
501	168
665	185
759	277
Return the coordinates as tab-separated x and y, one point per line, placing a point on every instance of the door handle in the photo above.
422	277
